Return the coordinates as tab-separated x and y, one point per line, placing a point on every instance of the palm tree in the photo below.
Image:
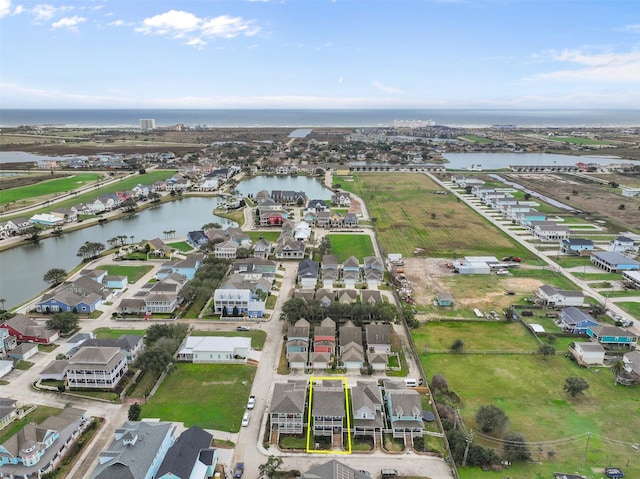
616	368
2	301
131	238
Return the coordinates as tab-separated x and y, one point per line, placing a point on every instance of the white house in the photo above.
215	349
552	296
624	244
589	353
5	367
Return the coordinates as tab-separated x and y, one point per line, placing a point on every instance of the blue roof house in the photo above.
576	321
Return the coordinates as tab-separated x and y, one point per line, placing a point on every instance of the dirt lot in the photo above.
599	201
428	276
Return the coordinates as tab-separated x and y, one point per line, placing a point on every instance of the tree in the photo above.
439	383
211	226
2	302
269	468
491	418
64	322
575	385
546	350
515	447
457	346
616	368
242	253
129	204
54	276
621	207
90	249
527	196
135	410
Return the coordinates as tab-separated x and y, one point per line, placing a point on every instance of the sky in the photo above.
320	54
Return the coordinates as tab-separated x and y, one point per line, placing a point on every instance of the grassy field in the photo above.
631	308
477	139
181	246
547	276
134	273
108	333
530	391
268	235
351	245
222	389
476	336
48	188
411	219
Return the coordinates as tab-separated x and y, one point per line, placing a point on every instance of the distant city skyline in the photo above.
320	54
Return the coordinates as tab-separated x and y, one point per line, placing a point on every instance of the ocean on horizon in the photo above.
246	118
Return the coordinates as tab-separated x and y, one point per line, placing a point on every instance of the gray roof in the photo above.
405	402
328	402
350	334
333	470
288	398
551	290
182	456
23	348
613	257
91	357
378	334
133	460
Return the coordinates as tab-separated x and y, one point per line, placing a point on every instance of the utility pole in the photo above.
466	449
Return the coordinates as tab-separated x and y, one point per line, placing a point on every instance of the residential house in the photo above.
298	338
262	249
351	272
66	215
23	351
330	270
226	249
308	273
56	370
96	368
370	296
351	350
6	367
7	411
46	219
325	297
28	330
336	220
272	218
197	239
526	218
631	367
136	452
611	337
350	220
83	295
404	408
334	470
160	297
215	349
7	342
156	246
287	197
19	225
588	353
551	296
614	262
286	413
254	268
323	219
239	236
347	296
624	244
328	410
576	321
366	402
238	297
128	344
317	206
37	448
373	271
577	246
305	294
302	231
287	247
548	233
186	267
310	218
324	337
341	199
378	337
320	361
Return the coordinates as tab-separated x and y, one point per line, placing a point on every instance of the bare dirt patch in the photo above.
430	276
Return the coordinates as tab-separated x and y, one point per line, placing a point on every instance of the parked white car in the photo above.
245	419
251	403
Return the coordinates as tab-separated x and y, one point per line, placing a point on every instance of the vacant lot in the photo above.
600	202
411	219
47	188
109	333
133	273
350	245
222	392
529	389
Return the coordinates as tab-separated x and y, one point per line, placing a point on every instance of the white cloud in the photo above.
43	12
70	23
385	88
631	28
5	8
605	67
198	43
340	80
18	10
181	24
119	23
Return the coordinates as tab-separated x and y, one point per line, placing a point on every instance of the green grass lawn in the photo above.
351	245
630	307
258	337
545	275
529	388
49	187
604	276
222	392
181	246
134	273
109	333
477	336
268	235
572	261
477	139
411	219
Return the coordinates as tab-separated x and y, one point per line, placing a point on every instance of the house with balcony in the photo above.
239	297
576	321
262	249
298	341
330	270
367	406
96	368
404	409
324	337
328	412
551	296
287	247
614	262
624	245
551	233
612	337
576	246
351	272
287	410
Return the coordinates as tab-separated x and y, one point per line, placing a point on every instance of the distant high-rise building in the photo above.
147	124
